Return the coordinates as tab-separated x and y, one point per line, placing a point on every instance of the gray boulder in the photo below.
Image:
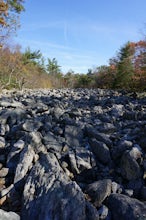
123	207
8	215
130	168
24	165
100	150
73	135
99	190
49	194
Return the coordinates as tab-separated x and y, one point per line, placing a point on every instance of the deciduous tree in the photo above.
9	11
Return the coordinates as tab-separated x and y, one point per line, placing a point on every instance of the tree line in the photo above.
29	69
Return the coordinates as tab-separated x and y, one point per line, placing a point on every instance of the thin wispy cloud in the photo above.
41	44
68	58
42	25
81	35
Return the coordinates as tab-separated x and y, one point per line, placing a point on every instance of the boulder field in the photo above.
72	155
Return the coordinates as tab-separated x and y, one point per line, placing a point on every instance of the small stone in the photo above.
136	152
129	192
31	125
103	212
144	175
2	183
64	164
65	148
2	142
6	190
99	190
116	188
35	158
4	172
3	200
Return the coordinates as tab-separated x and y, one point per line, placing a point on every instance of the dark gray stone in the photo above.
91	212
100	150
14	154
73	135
143	193
55	144
103	212
93	133
51	195
25	164
51	142
130	169
123	207
99	191
120	148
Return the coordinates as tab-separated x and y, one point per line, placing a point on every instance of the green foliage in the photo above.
103	77
16	5
83	81
125	69
31	56
54	73
15	73
52	67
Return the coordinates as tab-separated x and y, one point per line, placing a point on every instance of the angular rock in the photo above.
100	150
136	152
50	195
91	212
14	154
123	207
4	172
31	125
58	112
24	165
73	135
93	133
8	215
51	142
120	148
51	138
136	186
2	142
73	162
103	212
6	191
99	190
107	128
130	169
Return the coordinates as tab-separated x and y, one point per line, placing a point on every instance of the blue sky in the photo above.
80	34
